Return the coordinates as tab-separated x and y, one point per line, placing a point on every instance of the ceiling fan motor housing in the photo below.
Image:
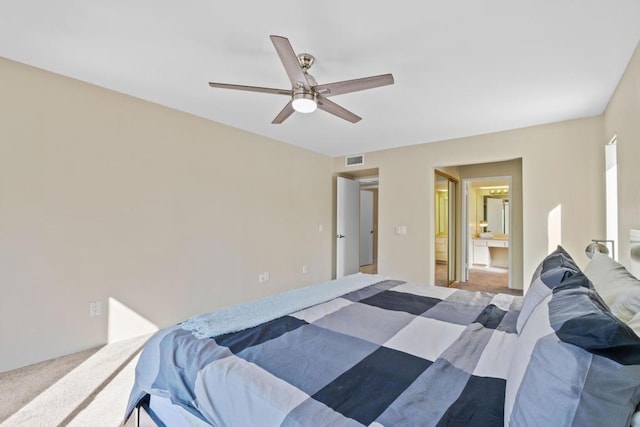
306	60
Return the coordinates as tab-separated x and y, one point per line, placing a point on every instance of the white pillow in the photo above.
635	325
627	305
610	279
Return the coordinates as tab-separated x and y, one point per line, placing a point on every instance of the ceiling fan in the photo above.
306	94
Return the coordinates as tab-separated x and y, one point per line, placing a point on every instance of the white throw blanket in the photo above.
247	315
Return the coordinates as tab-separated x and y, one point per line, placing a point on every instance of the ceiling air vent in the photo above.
354	160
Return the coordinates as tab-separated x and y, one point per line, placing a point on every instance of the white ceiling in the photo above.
461	67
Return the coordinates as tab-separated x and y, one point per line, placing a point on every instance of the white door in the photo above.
347	227
366	227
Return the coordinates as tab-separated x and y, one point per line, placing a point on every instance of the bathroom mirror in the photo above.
496	213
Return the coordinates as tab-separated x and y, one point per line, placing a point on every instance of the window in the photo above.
611	189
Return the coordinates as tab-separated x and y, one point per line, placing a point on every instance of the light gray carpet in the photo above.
89	388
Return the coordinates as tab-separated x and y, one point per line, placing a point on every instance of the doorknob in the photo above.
340	236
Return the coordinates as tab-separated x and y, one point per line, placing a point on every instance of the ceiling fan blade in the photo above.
251	88
290	61
347	86
284	114
336	110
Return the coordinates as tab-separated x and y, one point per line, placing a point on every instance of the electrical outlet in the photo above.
304	269
263	277
95	308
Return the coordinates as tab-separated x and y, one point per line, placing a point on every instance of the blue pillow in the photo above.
554	269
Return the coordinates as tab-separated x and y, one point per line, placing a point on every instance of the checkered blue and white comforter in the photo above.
390	354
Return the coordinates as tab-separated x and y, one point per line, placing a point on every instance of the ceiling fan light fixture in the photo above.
304	102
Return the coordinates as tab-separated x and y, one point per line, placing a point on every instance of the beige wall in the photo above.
106	196
622	117
558	164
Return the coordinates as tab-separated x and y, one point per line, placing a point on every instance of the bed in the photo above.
368	351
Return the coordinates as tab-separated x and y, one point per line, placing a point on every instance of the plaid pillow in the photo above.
574	363
552	271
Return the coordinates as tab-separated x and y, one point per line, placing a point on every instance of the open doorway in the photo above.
368	225
475	216
487	237
356	247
